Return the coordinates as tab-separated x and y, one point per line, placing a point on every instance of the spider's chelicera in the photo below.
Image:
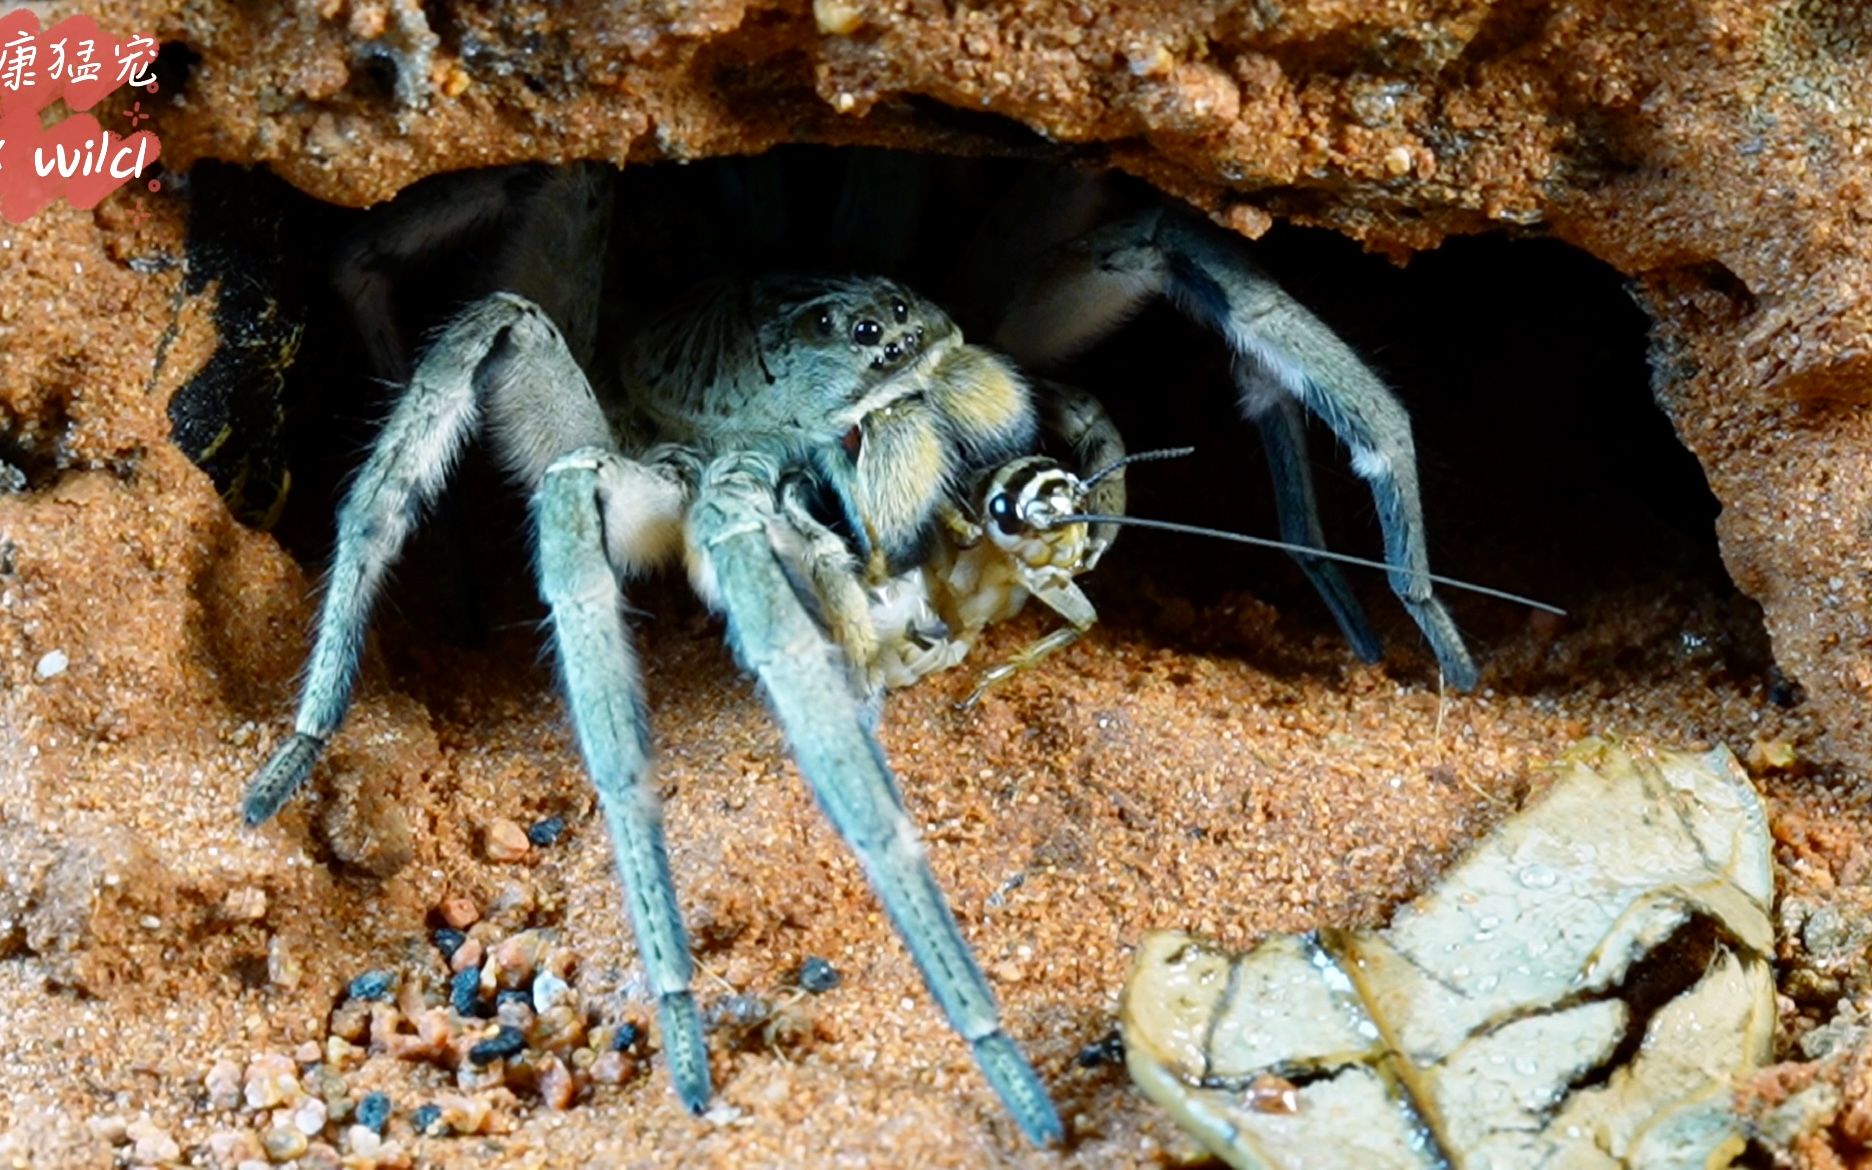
824	455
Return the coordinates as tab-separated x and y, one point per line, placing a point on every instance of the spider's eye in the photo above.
1001	511
825	323
867	332
892	352
900	310
852	442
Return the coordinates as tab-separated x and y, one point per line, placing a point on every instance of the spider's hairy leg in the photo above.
581	497
487	347
1283	436
1096	282
806	685
555	219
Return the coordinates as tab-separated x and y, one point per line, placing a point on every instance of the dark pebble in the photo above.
427	1119
372	986
449	941
818	976
1110	1050
1783	691
504	1043
508	995
626	1037
374	1110
465	992
546	832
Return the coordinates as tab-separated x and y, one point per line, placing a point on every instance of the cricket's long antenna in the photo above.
1135	457
1299	549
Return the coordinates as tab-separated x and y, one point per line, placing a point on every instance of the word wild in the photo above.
76	158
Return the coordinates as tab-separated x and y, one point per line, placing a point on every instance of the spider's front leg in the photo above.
1285	356
731	532
599	516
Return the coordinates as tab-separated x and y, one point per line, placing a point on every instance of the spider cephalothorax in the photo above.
814	450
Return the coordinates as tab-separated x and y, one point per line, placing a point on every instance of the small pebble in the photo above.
465	992
546	832
51	664
513	904
235	1147
503	840
283	1143
351	1020
514	961
223	1083
321	1156
372	986
464	1114
626	1038
558	1028
307	1053
514	1010
611	1068
1108	1050
363	1141
818	976
245	904
427	1119
556	1086
549	991
150	1144
504	1043
373	1112
310	1117
283	966
448	940
471	954
459	912
271	1080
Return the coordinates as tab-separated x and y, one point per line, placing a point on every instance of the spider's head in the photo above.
904	406
871	326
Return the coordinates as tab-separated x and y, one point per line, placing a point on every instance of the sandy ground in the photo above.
1210	758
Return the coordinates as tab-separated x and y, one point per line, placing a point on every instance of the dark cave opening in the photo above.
1547	468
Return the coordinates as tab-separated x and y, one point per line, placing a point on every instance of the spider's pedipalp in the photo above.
805	684
573	507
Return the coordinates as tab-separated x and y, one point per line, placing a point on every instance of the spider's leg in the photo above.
1094	283
548	217
805	684
585	501
1283	437
407	464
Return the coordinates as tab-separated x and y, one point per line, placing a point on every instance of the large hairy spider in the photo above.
800	444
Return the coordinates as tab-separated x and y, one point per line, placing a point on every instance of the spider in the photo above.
799	443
